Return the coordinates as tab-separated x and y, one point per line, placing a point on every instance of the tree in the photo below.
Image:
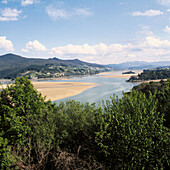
22	108
132	135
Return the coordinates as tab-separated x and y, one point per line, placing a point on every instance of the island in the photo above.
129	72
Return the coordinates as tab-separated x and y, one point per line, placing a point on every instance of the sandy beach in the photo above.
118	74
59	90
147	81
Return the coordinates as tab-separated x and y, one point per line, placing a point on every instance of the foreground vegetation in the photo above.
162	92
153	74
127	133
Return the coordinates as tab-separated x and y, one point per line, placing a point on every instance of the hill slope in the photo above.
12	66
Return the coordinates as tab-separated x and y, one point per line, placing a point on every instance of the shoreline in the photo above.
147	81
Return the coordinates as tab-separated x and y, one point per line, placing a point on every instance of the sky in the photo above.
97	31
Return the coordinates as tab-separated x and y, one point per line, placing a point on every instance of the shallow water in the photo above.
106	88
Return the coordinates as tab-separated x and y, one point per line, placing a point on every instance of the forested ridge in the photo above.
12	66
126	133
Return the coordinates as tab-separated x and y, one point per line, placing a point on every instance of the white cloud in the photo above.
4	2
9	14
5	44
28	2
149	13
167	29
35	46
57	12
151	48
164	2
168	10
152	41
85	49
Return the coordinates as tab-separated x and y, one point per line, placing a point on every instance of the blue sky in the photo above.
100	31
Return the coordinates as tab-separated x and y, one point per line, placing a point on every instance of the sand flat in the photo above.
59	90
120	75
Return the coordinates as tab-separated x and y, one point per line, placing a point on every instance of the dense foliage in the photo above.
153	74
162	91
125	133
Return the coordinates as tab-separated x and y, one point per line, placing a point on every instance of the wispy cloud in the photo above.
9	14
82	12
144	31
149	13
167	29
57	12
4	2
28	2
164	2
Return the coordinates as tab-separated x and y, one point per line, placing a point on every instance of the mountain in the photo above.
12	66
139	65
77	62
12	60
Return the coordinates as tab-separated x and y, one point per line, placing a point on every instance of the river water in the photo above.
103	91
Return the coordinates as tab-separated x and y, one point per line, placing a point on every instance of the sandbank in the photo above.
118	74
147	81
59	90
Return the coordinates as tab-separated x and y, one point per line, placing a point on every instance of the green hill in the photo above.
12	66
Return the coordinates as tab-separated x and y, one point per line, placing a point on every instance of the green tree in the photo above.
132	135
21	108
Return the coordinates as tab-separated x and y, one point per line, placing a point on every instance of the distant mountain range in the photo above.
139	65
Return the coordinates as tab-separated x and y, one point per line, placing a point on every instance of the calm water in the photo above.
106	88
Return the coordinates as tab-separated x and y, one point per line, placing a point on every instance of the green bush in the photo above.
132	135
